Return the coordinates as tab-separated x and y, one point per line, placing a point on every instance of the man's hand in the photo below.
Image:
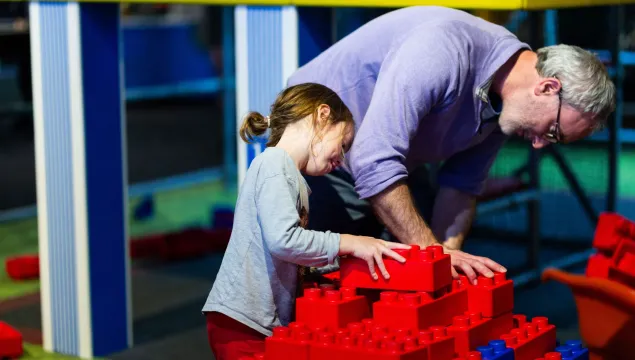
395	208
469	263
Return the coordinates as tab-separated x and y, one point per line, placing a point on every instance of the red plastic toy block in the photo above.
426	270
598	266
147	246
255	357
531	340
420	310
288	343
192	243
472	355
490	297
328	347
552	356
612	228
23	267
622	267
473	330
331	309
334	276
10	342
358	341
440	344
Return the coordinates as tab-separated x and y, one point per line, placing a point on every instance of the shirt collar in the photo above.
482	92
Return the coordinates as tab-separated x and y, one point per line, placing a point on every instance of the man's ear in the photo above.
547	86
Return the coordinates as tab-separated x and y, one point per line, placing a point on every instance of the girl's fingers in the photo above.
380	264
393	255
371	268
395	245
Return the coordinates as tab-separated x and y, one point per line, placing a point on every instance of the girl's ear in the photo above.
323	113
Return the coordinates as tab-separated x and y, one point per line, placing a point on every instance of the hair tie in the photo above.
268	121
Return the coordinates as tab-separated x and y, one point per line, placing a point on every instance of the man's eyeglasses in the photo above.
553	135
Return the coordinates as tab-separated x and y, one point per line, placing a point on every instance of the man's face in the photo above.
539	116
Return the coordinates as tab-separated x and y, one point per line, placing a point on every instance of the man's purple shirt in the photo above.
416	81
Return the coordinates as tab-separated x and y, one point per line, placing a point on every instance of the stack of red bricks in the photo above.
421	313
10	342
614	241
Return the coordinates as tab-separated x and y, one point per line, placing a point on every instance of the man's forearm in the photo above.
452	216
397	211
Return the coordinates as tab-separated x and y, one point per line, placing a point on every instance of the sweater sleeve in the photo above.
276	201
415	77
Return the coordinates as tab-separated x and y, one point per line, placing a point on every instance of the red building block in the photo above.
10	342
426	270
598	266
612	228
553	356
192	243
331	309
440	344
360	346
334	276
473	330
472	355
288	343
419	310
356	342
147	246
490	297
622	267
24	267
531	340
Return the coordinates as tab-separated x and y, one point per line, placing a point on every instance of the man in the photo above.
430	85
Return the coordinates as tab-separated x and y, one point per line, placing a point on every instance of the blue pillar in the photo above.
266	41
81	177
229	97
348	20
316	31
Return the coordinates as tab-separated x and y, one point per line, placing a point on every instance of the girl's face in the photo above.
327	152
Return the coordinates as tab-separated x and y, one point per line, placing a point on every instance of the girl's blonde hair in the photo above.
293	104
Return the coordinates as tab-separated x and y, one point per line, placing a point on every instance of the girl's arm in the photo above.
286	240
280	224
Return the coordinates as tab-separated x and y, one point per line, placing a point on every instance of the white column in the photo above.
81	177
266	55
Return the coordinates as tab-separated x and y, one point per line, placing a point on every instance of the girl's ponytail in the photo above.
253	125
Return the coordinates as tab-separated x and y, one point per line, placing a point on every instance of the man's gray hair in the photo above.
586	85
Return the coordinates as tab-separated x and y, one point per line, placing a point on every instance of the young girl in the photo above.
255	288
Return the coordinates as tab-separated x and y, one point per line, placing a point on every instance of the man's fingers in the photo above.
481	268
455	275
492	264
394	255
371	268
382	267
467	270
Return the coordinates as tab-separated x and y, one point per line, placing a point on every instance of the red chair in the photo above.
606	313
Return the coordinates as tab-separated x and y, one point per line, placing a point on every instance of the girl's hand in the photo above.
371	250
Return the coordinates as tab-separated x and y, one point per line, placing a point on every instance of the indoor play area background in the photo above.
180	118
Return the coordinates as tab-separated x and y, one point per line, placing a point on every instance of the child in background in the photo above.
255	288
